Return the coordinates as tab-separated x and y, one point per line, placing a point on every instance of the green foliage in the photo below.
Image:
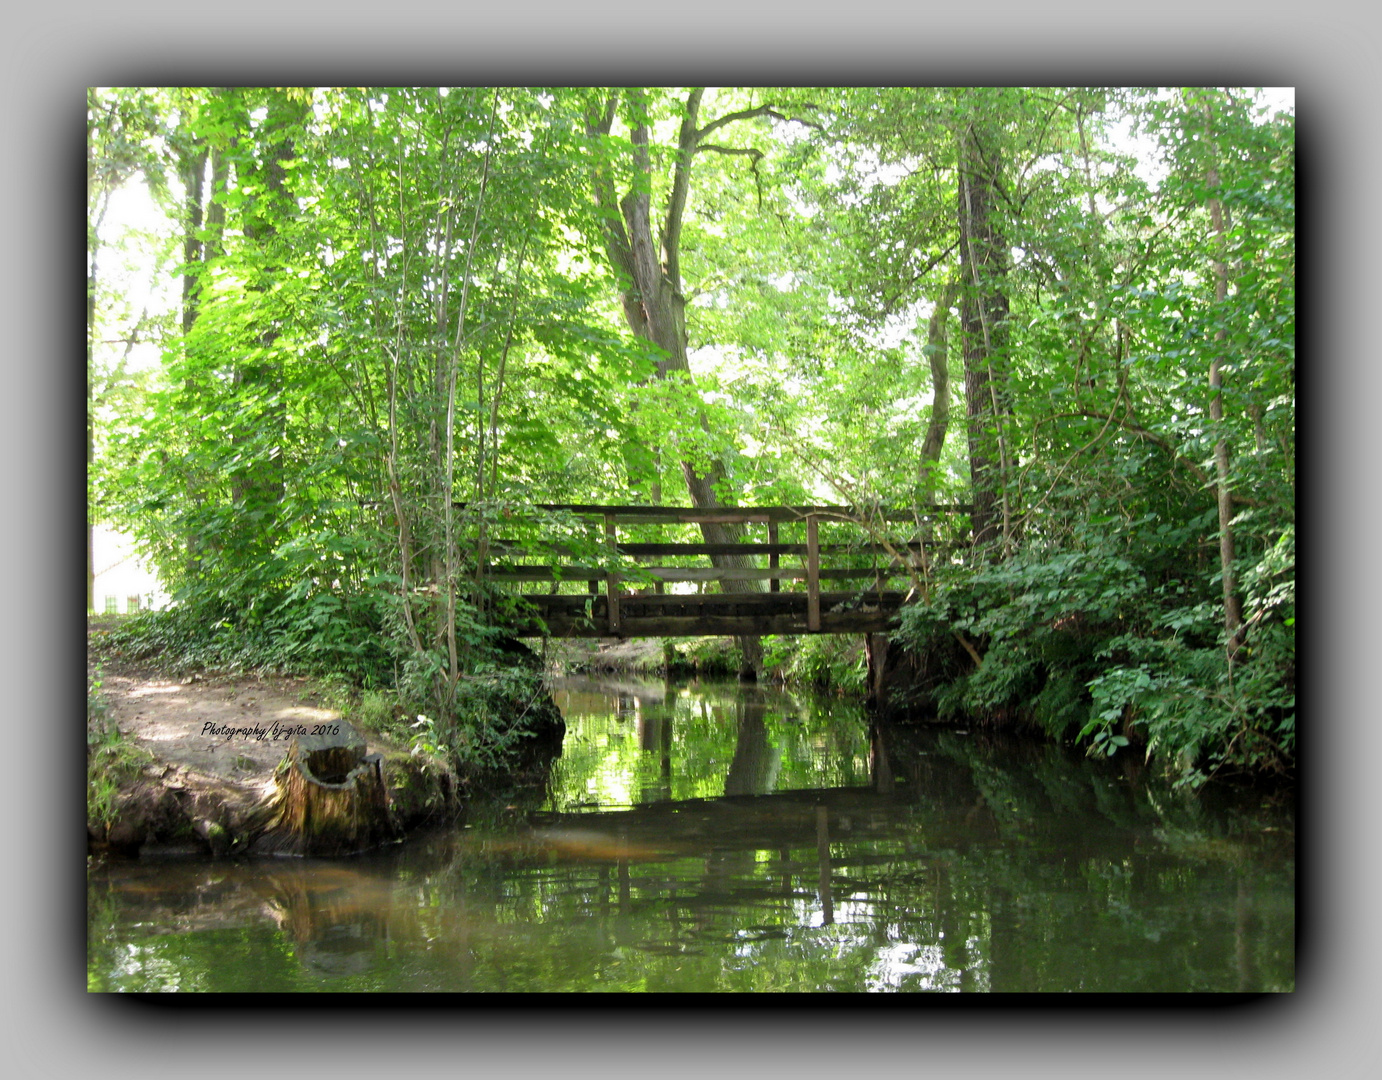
398	330
318	633
706	656
1008	675
375	710
1117	640
491	721
1062	704
1189	711
822	661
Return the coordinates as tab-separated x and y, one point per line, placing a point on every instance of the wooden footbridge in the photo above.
614	573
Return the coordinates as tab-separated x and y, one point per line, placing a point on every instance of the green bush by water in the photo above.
1120	646
834	662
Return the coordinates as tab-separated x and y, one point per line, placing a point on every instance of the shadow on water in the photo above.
717	837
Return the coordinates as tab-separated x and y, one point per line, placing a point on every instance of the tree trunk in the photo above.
329	798
653	303
201	207
259	486
193	180
984	324
90	419
93	245
936	354
1233	611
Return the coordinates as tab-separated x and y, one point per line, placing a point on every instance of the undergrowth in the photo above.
317	635
1120	653
489	719
827	662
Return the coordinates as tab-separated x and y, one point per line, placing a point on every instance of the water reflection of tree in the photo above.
655	740
753	768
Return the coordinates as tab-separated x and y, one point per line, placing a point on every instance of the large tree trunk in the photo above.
193	169
200	208
984	322
653	303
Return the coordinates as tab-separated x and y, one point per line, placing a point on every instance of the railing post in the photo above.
612	579
773	583
813	575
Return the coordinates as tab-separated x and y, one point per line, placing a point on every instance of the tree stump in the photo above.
329	797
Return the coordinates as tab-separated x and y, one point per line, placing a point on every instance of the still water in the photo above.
708	837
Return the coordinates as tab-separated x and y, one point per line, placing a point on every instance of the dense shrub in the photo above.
1110	644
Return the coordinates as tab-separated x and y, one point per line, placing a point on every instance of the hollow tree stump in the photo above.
329	797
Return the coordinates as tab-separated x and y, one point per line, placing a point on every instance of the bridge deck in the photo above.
730	614
863	549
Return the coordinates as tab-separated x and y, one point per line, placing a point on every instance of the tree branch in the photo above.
762	110
687	141
1156	440
757	156
890	303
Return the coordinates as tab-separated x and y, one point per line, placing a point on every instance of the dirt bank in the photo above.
214	743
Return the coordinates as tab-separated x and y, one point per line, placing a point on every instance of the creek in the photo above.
710	837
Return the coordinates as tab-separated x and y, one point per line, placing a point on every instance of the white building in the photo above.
123	582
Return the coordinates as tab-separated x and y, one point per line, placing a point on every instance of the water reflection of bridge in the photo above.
829	569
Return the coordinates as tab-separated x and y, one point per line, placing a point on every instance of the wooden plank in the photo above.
643	550
638	549
852	622
649	515
717	603
662	574
715	573
631	514
813	576
511	549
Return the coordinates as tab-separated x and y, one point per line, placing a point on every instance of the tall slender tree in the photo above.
1223	493
266	149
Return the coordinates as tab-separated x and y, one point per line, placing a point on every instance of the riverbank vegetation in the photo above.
112	761
356	335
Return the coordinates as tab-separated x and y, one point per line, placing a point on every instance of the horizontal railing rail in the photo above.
634	514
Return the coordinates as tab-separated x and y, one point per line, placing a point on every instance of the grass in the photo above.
111	760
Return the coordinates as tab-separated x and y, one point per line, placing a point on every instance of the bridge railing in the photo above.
614	580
